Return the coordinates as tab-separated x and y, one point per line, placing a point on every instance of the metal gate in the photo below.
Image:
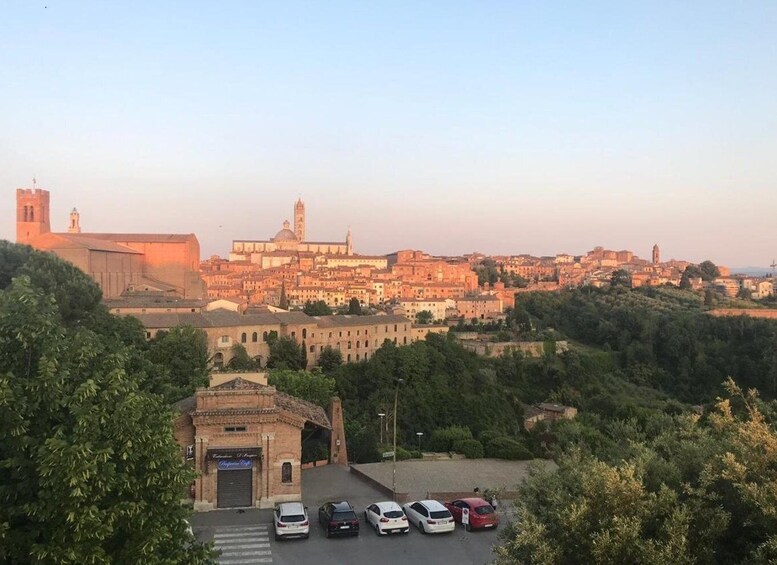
234	488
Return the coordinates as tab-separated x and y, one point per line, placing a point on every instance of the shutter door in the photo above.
234	488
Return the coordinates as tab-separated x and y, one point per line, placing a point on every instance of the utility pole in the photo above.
394	458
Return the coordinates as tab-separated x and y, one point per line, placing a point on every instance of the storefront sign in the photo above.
234	453
228	464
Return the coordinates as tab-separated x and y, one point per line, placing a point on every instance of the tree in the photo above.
182	354
709	271
286	354
354	307
317	308
313	387
90	470
424	317
621	277
283	302
241	361
330	359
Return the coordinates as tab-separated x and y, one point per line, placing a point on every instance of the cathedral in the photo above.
287	245
120	263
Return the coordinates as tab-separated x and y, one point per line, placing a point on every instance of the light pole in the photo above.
381	415
419	434
394	458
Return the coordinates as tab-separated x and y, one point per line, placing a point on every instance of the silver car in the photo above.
291	521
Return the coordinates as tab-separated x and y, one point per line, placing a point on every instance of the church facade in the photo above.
288	245
118	262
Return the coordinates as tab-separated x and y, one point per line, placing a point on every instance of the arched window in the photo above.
349	357
254	337
349	345
286	472
218	360
243	337
304	333
264	336
357	344
404	340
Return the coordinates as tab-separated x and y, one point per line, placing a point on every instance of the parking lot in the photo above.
246	537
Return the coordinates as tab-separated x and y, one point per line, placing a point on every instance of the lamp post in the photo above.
419	434
394	458
381	415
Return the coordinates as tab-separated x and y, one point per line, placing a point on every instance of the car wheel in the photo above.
421	527
468	528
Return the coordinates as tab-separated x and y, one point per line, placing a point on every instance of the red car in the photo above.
481	513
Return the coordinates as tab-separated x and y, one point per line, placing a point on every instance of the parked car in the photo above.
429	516
338	519
386	518
481	513
291	521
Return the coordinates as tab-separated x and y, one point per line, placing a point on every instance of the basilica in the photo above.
287	246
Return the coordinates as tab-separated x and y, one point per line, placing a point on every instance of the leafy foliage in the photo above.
470	448
313	387
89	470
285	353
317	308
182	354
330	359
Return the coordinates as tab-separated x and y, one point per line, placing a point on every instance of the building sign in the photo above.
235	453
229	464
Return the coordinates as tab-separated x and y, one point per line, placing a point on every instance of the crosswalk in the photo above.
243	545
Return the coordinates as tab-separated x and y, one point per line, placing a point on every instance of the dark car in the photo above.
338	519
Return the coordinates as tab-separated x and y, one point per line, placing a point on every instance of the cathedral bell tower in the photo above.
299	219
75	222
656	255
32	213
349	242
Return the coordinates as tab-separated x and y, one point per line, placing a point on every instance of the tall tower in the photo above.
32	213
299	219
656	255
75	222
349	242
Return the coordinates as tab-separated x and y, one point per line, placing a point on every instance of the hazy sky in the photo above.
501	127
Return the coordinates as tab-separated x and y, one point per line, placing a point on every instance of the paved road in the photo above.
246	536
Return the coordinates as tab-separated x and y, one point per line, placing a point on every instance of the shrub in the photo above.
443	439
403	454
487	435
470	448
507	448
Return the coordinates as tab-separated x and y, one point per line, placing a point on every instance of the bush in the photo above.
403	454
443	439
470	448
487	435
506	448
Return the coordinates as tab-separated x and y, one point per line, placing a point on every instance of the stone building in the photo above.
286	246
118	262
244	439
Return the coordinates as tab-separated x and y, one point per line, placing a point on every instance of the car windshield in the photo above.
440	514
483	510
289	518
393	514
343	516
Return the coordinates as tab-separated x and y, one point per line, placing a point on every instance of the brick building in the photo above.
244	439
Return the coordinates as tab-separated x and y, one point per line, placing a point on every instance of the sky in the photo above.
451	127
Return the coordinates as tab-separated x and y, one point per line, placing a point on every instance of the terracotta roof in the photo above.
153	301
52	241
144	237
336	321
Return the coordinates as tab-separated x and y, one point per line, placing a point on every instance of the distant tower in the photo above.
75	222
656	254
32	213
349	242
299	219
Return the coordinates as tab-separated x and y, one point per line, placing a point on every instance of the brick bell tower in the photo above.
299	219
32	213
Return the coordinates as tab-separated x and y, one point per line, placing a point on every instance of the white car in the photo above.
386	518
430	516
291	521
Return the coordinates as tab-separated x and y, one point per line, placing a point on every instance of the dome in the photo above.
285	235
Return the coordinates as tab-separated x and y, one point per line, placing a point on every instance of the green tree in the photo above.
330	359
182	354
317	308
313	387
424	317
620	277
354	307
241	361
709	271
90	470
285	353
283	302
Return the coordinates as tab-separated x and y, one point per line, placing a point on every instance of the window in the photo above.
404	340
330	334
286	472
312	348
243	337
349	334
264	336
224	339
294	335
349	345
357	356
304	333
395	327
233	429
349	357
254	337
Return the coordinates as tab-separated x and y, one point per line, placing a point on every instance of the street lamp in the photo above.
382	415
394	458
419	434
